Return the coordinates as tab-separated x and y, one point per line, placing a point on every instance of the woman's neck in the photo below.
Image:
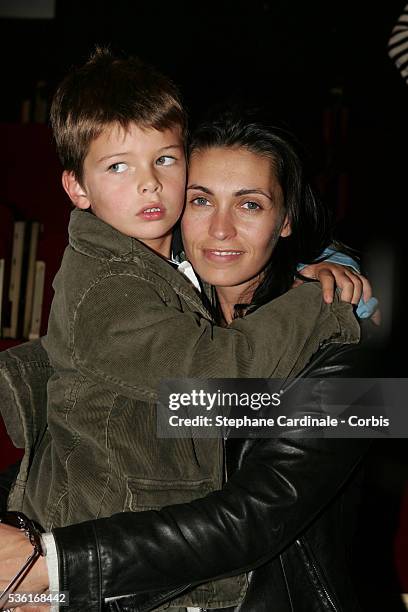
229	296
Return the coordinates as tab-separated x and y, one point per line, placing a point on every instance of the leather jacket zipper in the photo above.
306	553
224	451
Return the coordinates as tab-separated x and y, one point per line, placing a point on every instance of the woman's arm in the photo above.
279	487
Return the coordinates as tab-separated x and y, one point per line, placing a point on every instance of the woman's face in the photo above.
234	215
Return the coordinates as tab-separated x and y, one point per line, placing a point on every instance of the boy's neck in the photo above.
161	246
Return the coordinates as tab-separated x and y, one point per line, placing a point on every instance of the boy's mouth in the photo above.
152	213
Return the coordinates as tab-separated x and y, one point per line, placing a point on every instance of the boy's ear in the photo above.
286	229
75	191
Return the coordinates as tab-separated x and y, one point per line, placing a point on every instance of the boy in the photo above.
123	318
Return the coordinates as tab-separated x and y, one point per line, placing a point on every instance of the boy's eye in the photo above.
200	201
251	206
165	160
118	168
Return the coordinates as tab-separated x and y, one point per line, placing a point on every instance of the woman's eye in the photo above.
118	168
200	201
165	160
251	206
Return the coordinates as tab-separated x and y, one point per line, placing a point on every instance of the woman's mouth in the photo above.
222	255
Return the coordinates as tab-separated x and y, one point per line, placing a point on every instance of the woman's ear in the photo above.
286	229
76	192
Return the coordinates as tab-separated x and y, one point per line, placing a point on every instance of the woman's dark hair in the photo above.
310	219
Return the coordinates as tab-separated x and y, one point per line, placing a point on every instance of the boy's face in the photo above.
134	180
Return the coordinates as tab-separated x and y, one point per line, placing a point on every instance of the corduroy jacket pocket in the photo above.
151	494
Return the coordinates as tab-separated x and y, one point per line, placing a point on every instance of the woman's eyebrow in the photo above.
249	191
200	188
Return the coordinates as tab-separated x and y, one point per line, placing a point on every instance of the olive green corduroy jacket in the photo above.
122	319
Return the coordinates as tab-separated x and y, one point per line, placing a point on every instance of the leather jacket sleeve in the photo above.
278	486
7	477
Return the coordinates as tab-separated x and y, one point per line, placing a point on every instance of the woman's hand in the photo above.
31	609
15	549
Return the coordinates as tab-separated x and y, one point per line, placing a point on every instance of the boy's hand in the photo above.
353	286
15	549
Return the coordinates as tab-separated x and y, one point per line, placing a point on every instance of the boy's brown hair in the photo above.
108	90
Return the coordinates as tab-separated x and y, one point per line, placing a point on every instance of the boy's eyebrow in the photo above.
200	188
119	153
105	157
172	146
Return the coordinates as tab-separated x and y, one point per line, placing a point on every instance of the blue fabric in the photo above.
364	309
340	258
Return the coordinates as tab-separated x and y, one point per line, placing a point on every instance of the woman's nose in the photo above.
222	225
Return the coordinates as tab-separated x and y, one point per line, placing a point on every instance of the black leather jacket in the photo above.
285	516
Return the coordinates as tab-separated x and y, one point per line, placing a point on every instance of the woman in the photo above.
250	216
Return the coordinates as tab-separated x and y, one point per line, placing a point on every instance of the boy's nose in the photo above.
221	225
148	183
